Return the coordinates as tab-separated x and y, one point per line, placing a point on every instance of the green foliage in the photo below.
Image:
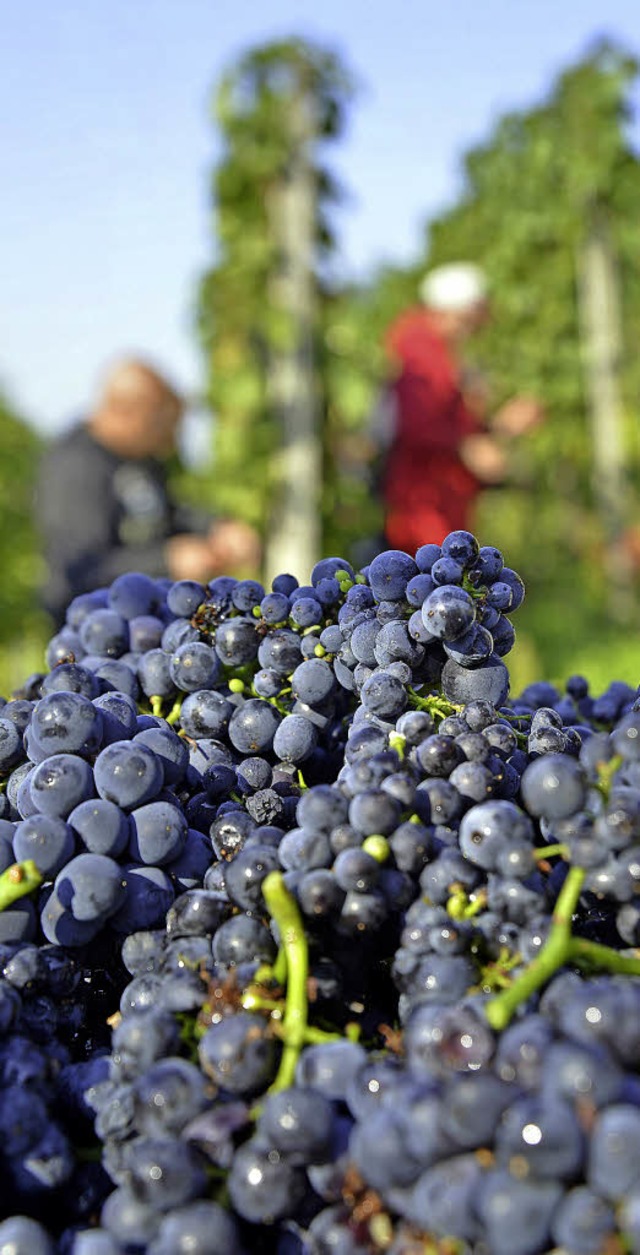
22	626
240	324
524	211
530	194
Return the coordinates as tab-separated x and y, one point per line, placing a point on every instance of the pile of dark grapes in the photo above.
314	938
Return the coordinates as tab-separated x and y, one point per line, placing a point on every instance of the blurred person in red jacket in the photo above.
441	450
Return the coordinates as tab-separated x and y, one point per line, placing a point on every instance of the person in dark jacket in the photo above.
102	502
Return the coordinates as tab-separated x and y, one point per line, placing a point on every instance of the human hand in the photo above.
483	456
518	416
188	557
233	544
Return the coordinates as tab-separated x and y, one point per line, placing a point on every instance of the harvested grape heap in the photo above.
314	938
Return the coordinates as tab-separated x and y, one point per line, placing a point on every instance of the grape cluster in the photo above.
313	937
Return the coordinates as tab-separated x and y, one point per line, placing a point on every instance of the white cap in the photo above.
456	286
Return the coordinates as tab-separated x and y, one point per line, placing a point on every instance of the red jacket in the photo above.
427	489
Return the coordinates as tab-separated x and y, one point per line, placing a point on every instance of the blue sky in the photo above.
108	146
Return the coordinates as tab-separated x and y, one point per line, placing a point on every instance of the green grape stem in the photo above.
560	948
436	705
175	712
554	954
594	956
398	742
312	1036
283	909
551	851
17	881
606	775
252	1000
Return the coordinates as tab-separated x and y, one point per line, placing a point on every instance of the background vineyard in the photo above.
531	197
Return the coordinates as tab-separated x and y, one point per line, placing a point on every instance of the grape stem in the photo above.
437	706
606	775
398	742
174	713
551	851
17	881
557	950
560	948
283	909
591	954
